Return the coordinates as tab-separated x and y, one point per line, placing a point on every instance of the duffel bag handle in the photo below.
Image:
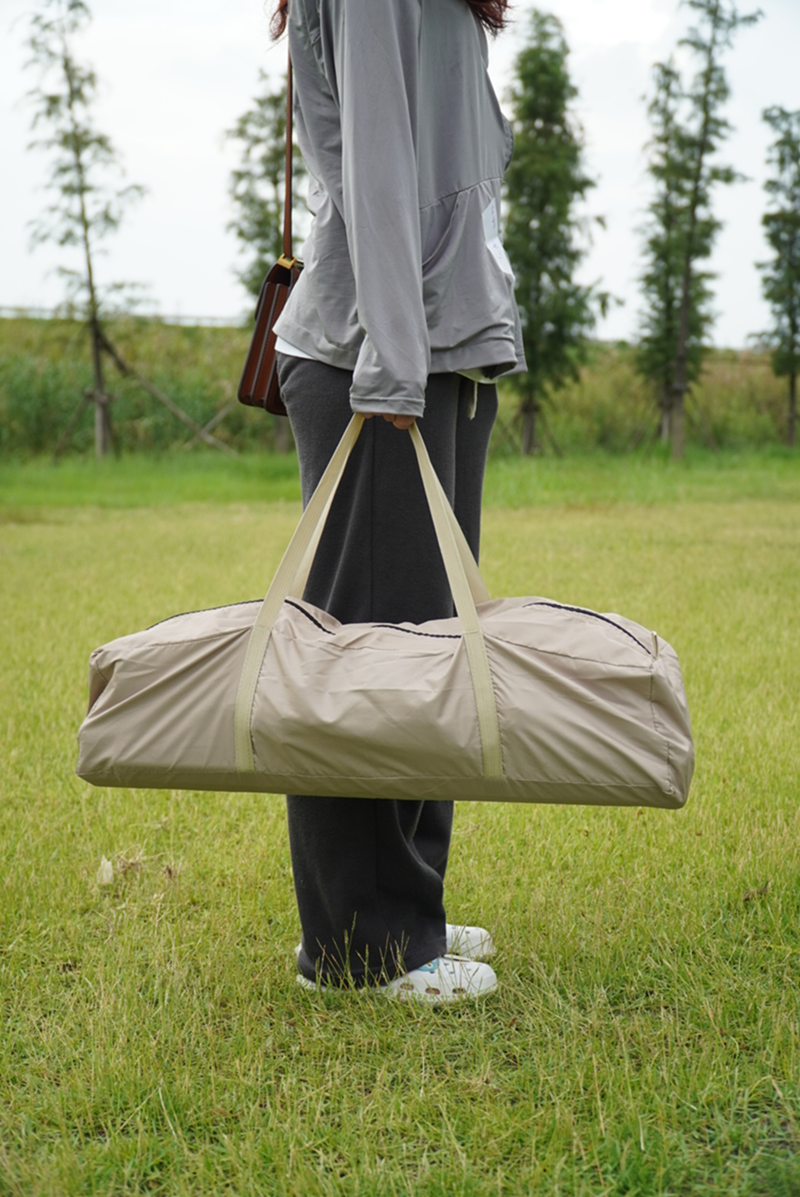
458	559
291	564
463	574
431	482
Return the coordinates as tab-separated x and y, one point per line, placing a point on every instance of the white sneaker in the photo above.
443	981
473	943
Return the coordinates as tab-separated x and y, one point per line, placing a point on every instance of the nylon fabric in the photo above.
292	574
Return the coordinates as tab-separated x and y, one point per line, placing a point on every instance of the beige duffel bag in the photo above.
523	699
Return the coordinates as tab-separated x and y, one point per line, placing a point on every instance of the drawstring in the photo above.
473	404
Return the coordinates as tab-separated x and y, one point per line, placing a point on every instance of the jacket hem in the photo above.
389	405
493	355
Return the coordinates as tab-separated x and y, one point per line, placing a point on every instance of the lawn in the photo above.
645	1038
175	476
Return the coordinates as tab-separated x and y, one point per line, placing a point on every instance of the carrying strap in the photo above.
477	586
282	585
454	553
465	580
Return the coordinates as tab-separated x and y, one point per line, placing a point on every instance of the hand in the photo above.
403	422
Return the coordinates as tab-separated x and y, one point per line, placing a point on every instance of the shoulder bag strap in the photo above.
288	260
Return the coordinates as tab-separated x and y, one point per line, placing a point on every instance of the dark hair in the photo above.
491	13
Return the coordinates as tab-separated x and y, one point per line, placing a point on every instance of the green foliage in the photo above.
644	1038
87	207
543	234
257	186
781	276
735	404
45	366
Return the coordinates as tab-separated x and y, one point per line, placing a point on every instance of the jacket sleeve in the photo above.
375	64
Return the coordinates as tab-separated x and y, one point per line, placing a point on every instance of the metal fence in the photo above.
67	313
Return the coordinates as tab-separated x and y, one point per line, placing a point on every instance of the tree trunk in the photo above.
103	442
676	425
680	383
529	441
791	428
666	404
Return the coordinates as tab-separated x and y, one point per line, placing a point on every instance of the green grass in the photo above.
586	480
137	480
645	1038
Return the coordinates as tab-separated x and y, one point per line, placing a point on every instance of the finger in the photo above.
398	421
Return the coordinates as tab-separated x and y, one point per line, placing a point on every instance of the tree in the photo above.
665	246
88	207
257	186
781	275
696	142
545	238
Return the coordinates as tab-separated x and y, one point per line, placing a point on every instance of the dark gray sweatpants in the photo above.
369	873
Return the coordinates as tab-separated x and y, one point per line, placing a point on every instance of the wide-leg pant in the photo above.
369	873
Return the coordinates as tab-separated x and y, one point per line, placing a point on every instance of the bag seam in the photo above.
661	732
422	777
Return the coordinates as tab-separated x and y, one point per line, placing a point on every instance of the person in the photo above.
404	311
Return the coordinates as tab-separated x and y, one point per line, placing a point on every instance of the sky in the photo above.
175	74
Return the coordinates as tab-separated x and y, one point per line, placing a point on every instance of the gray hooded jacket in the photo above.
405	273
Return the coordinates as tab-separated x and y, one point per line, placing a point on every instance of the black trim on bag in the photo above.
409	631
393	627
595	615
308	615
